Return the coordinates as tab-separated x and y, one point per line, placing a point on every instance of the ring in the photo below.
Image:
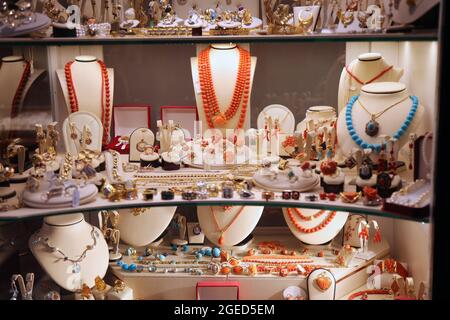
267	195
167	195
286	195
188	195
295	195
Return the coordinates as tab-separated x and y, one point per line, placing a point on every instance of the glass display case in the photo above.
234	150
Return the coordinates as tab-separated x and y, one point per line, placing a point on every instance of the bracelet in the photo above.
189	195
167	195
55	192
365	293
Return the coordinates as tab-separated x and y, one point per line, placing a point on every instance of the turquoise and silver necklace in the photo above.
373	127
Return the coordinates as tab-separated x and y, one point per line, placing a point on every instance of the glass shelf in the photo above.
417	36
104	204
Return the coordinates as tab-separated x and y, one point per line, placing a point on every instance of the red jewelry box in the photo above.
217	290
125	119
182	115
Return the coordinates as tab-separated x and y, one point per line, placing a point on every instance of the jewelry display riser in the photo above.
181	286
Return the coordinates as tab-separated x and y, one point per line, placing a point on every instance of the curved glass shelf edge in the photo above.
26	213
395	37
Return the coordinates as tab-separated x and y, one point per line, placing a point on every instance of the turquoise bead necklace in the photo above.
378	146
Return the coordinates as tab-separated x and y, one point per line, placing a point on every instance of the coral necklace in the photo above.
223	230
18	95
214	116
382	73
319	227
105	96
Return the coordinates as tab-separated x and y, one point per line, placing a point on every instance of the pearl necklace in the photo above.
76	268
225	229
214	116
19	91
401	197
319	227
105	96
397	135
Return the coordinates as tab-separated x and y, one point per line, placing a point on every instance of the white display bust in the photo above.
365	67
71	234
87	81
11	71
224	59
237	231
142	229
376	97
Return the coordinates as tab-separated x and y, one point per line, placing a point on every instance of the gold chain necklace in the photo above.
372	127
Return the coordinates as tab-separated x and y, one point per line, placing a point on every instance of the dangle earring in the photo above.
392	162
363	235
88	138
412	139
73	131
377	234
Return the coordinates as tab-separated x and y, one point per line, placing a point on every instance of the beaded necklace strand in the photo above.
214	116
20	88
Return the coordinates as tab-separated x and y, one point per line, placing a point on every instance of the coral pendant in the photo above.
219	120
221	240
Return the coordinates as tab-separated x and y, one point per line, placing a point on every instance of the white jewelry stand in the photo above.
366	67
376	97
237	232
317	115
140	135
87	82
224	60
320	237
81	120
144	228
314	291
71	234
11	72
283	114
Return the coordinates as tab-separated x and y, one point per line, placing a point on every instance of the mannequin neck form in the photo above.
387	96
320	113
86	59
363	66
71	227
11	63
223	46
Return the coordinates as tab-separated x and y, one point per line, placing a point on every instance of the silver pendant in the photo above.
76	268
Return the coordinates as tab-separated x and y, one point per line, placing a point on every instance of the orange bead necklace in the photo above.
319	227
214	116
105	96
223	230
18	95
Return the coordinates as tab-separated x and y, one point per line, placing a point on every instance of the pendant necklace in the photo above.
373	127
105	96
214	116
225	229
396	135
76	267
